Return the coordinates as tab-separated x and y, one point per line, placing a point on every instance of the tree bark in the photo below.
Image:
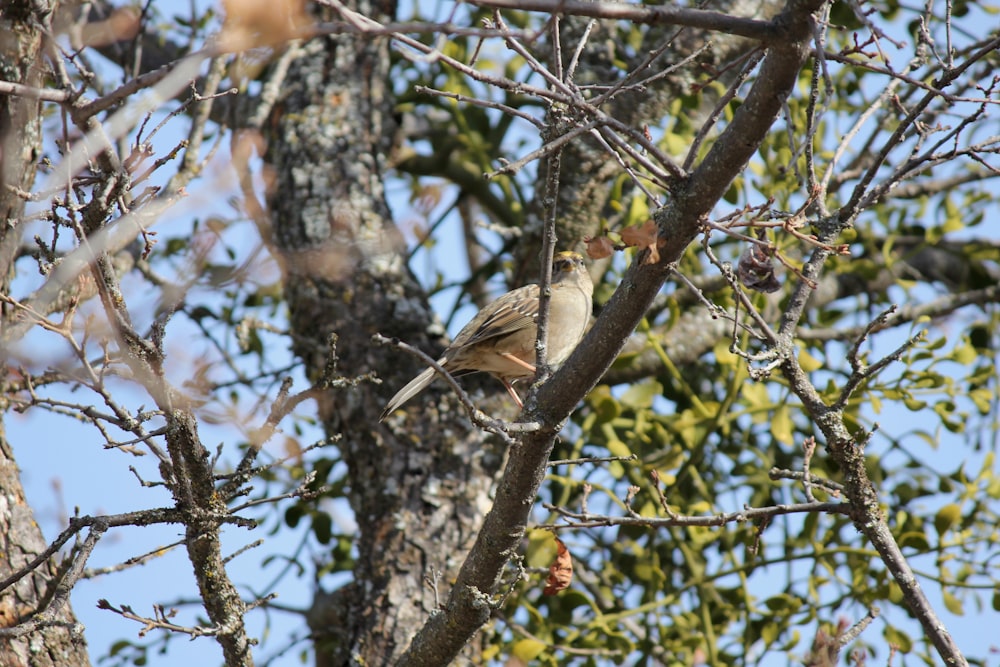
62	643
418	484
20	126
59	644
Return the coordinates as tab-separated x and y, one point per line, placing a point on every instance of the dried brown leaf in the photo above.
599	247
561	570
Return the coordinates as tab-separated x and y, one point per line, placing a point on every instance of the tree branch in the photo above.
470	602
664	14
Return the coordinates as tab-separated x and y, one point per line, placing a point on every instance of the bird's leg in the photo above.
513	394
520	362
523	364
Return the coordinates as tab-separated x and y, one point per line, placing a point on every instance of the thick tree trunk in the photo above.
20	542
419	485
20	538
20	127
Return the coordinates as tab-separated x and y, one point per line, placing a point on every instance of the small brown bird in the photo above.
500	339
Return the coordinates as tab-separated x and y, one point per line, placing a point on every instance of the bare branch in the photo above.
663	14
586	520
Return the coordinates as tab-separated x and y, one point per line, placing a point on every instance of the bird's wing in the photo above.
513	311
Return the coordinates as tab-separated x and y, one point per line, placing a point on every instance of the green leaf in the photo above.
947	517
954	217
808	362
783	604
123	644
769	633
527	650
899	639
292	516
964	354
755	395
638	212
936	344
618	448
604	404
914	539
952	603
322	527
640	396
986	471
983	398
781	425
895	594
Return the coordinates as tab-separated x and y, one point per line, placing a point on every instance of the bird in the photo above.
500	339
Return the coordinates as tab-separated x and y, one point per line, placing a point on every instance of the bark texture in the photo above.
419	484
62	643
20	127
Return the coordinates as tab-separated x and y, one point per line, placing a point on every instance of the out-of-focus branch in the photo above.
662	14
589	520
909	313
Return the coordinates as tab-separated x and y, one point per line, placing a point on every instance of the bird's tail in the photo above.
412	388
